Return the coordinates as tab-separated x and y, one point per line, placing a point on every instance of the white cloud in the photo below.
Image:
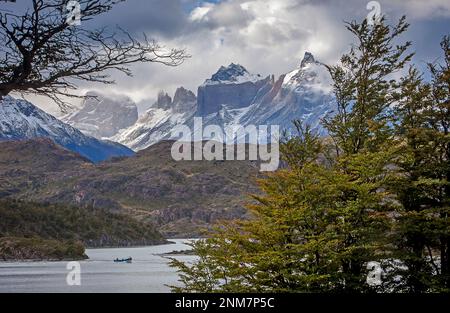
266	36
200	12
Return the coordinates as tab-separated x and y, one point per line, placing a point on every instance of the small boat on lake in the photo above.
129	260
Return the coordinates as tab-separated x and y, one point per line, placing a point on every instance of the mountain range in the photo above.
231	97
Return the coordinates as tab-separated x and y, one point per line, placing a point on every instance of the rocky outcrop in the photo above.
164	101
212	98
308	58
304	94
184	101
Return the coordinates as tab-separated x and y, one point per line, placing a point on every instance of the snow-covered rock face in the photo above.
305	94
164	101
232	87
233	96
184	101
21	120
102	116
157	123
233	74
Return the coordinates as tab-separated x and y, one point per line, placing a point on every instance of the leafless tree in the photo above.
42	52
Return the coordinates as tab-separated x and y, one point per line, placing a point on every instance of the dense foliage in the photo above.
365	210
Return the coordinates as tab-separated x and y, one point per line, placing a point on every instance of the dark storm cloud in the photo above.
165	18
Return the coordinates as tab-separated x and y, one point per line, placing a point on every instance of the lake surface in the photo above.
148	273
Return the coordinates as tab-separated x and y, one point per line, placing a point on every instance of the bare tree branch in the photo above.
41	53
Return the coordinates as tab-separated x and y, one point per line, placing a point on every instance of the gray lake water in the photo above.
148	273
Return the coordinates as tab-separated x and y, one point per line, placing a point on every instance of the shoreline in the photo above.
2	261
132	246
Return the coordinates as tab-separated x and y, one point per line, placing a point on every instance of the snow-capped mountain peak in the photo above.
310	75
21	120
307	59
232	74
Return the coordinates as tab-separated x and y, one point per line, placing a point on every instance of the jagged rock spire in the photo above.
307	59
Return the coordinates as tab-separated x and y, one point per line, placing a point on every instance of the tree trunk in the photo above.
445	257
445	240
416	266
3	93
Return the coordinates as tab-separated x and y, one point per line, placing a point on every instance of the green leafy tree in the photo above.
365	91
441	125
282	248
302	237
364	86
422	184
